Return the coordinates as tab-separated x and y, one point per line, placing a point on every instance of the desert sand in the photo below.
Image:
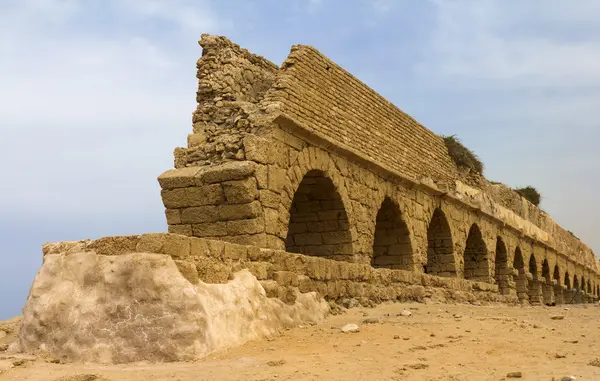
436	342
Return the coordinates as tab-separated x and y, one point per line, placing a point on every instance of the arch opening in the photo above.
440	251
547	289
476	257
556	275
567	280
502	273
521	278
534	288
391	243
318	220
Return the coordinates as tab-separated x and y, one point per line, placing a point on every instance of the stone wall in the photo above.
330	169
283	275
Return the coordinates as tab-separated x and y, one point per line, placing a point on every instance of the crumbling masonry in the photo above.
306	159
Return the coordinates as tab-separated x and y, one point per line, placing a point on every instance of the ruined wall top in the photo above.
323	97
240	94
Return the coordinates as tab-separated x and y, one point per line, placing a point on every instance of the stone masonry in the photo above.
306	161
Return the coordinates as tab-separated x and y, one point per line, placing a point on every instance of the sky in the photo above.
96	94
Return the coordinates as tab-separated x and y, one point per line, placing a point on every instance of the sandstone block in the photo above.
197	139
245	227
162	243
259	240
261	270
276	178
233	170
261	173
240	191
210	229
193	196
180	229
212	271
115	245
199	214
234	252
188	270
257	149
285	278
178	178
239	211
173	216
269	199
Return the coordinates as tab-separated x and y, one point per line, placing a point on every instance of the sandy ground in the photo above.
437	342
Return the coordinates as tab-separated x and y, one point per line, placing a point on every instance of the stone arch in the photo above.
556	274
521	278
440	247
547	291
501	271
582	284
318	222
532	267
575	282
476	256
546	271
567	281
589	287
391	242
533	286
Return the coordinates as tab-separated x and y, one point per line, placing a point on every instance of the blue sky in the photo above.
95	94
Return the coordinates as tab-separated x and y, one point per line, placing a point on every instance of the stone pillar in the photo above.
521	288
559	293
548	291
534	290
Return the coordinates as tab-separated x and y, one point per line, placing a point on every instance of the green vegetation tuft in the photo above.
531	194
462	156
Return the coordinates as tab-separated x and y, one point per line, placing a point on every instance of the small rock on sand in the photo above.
405	313
350	328
557	317
514	375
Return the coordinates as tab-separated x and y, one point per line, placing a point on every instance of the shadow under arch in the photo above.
533	286
440	247
318	223
391	242
502	274
476	256
521	278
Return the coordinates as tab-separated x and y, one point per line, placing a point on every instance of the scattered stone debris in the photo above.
514	375
566	378
560	356
371	320
405	313
350	328
276	363
396	337
557	317
595	362
82	377
3	347
457	316
418	366
19	362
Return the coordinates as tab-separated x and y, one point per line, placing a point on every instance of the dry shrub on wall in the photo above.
531	194
462	156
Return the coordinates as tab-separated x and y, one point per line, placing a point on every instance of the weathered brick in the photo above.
240	191
178	178
210	229
251	226
234	170
239	211
193	196
199	214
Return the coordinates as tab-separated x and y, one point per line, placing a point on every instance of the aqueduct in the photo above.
304	158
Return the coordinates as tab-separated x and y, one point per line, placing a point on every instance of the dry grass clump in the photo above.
531	194
462	156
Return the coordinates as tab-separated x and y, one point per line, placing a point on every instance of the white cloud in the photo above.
94	110
491	40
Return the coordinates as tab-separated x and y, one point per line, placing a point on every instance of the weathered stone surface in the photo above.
138	307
